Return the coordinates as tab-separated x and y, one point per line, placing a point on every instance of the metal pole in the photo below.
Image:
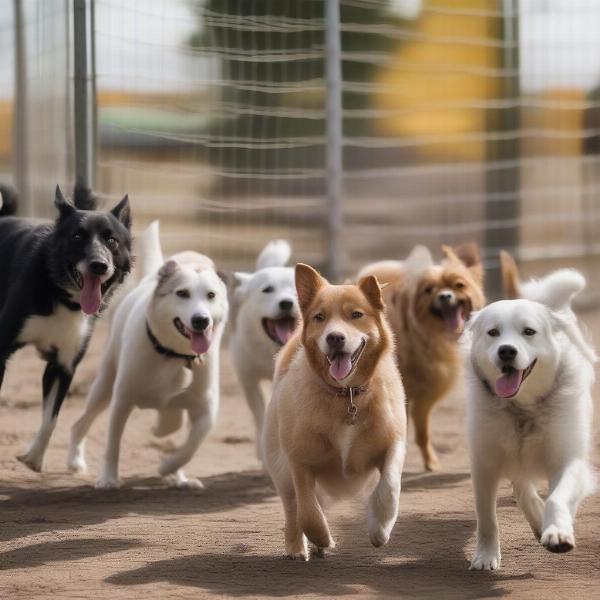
334	167
20	129
503	185
83	141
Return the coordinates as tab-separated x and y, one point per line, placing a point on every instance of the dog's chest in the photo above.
62	332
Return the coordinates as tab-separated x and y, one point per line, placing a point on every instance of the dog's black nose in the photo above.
336	340
200	322
507	353
98	267
445	297
286	305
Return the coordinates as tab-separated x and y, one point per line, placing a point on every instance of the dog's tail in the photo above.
9	200
83	198
511	282
556	290
275	254
149	253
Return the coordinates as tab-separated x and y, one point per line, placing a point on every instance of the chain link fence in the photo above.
461	120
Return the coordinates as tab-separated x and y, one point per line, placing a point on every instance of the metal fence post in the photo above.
503	180
83	122
20	129
334	168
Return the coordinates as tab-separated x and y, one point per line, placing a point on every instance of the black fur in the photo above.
38	276
10	199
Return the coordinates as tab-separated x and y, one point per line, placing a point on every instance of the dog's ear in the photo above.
469	255
65	208
369	286
308	283
511	282
418	260
165	273
122	212
224	277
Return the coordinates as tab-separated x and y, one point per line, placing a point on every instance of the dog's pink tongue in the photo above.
508	384
91	294
340	366
201	341
284	328
453	318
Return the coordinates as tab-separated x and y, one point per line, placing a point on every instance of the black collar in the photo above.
167	352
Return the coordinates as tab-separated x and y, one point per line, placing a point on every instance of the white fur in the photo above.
543	433
252	351
135	375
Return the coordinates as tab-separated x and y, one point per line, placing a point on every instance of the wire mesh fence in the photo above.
462	120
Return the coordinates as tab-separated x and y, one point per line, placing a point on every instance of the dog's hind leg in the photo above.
421	416
531	504
55	385
256	402
97	400
168	421
201	422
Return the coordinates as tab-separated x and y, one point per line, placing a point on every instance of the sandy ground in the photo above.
61	538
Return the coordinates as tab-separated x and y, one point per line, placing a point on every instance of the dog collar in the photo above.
188	358
349	392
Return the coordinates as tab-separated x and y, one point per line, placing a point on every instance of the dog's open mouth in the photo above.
279	330
511	380
91	290
453	316
342	364
199	340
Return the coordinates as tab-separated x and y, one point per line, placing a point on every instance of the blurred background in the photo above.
354	128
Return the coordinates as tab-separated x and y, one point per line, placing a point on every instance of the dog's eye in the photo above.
319	317
210	295
493	332
268	290
428	289
183	293
112	242
529	332
459	285
356	314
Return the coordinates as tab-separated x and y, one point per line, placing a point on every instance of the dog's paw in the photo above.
316	552
301	556
486	559
76	464
555	540
379	536
184	484
32	460
432	464
106	482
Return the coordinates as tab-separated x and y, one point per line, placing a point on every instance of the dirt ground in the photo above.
61	538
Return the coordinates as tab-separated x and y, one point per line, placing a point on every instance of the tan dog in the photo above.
337	413
427	305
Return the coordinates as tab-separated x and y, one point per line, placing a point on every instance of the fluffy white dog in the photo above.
266	314
163	353
529	412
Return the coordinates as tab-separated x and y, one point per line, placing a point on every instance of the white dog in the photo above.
163	353
529	412
266	316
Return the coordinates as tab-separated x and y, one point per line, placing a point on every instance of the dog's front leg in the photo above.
256	402
384	501
55	385
201	422
531	504
109	475
310	514
567	488
485	487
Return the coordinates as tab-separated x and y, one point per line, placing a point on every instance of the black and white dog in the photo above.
54	280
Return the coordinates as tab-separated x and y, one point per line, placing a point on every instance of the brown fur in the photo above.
511	282
428	355
310	449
